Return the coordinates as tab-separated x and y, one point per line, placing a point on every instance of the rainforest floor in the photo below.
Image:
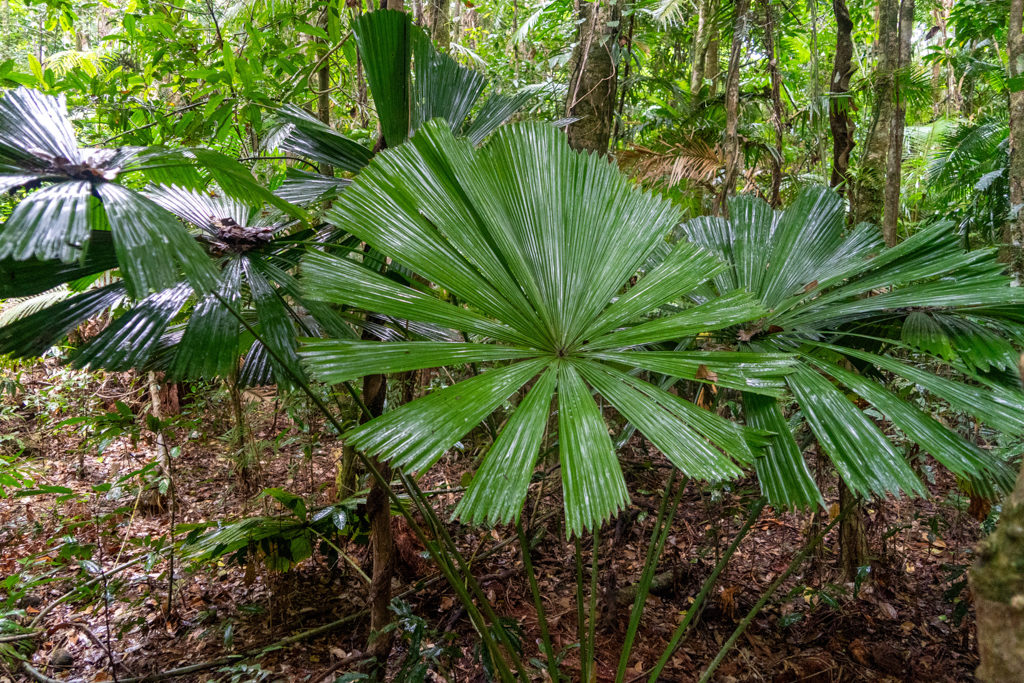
908	619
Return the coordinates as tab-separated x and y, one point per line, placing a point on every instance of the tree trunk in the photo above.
382	542
701	40
894	162
1012	251
323	84
869	199
840	100
777	112
712	71
591	95
732	105
853	538
437	22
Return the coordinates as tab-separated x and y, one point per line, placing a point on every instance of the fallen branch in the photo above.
28	635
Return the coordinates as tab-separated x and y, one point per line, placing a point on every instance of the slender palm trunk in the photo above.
869	199
839	117
853	539
378	510
591	95
733	160
894	163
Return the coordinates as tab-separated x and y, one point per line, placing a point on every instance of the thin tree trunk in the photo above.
869	200
1012	250
591	95
624	89
853	538
382	542
777	112
323	84
701	40
437	21
840	100
894	162
712	70
362	99
732	105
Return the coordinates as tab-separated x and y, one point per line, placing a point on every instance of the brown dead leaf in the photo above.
704	373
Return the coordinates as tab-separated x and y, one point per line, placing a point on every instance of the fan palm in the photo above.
82	224
247	228
411	82
968	173
852	312
537	242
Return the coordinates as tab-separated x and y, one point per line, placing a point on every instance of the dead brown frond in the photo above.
692	159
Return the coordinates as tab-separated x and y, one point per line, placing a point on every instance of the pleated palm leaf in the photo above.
410	82
854	312
256	253
107	243
530	246
80	197
187	333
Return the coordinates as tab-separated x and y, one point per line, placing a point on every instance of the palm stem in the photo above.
592	609
581	631
538	604
705	590
666	513
795	564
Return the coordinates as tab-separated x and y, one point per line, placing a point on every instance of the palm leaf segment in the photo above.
80	198
254	273
852	309
538	242
37	146
411	83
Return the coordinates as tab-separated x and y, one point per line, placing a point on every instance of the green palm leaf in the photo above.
34	334
847	302
529	246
